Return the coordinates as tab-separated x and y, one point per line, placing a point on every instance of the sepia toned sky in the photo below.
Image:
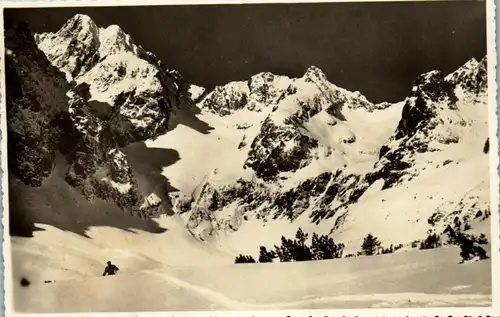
376	48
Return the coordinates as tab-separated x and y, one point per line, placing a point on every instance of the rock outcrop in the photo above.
85	92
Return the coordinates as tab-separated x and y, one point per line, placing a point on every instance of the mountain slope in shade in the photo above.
140	91
307	151
55	124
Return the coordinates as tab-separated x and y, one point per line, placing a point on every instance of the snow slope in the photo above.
408	279
392	169
235	128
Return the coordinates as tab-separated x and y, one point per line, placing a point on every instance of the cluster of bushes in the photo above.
321	248
244	259
392	249
455	236
433	240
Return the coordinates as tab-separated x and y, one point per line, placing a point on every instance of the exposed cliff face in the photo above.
306	148
119	73
438	112
117	95
267	89
36	101
73	49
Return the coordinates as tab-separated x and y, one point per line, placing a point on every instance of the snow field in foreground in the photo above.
157	273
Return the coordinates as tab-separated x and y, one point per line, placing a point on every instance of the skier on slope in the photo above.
111	269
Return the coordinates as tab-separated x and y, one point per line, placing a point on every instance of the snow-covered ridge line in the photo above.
241	92
305	146
266	89
117	70
80	43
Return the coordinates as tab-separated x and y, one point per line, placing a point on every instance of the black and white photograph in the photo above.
249	157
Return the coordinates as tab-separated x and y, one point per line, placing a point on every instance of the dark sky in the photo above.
376	48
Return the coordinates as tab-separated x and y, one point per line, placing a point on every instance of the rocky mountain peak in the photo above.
471	77
428	86
79	23
80	45
434	94
114	94
314	74
196	92
119	72
114	40
72	48
267	89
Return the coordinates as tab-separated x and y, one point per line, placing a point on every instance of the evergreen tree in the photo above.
431	242
316	248
300	251
370	245
244	259
279	253
301	237
266	256
286	249
339	250
323	248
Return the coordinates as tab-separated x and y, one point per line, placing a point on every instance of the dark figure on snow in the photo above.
469	250
111	269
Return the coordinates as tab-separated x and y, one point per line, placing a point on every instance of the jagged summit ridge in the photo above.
80	44
311	159
72	48
114	40
266	89
118	72
117	94
472	76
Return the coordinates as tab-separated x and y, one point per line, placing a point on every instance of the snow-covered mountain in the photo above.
254	160
302	152
118	71
107	93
